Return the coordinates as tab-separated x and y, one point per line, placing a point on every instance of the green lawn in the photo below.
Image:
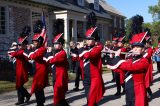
6	86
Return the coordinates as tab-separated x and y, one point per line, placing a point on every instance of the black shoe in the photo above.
117	94
40	104
27	98
112	80
76	89
19	103
123	92
150	96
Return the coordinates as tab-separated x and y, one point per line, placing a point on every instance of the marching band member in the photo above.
106	56
73	49
21	66
92	66
157	52
40	79
75	64
136	70
119	75
148	55
59	59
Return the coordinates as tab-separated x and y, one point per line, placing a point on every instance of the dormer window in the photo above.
80	2
96	5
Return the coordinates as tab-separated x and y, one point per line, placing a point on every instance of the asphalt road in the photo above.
78	98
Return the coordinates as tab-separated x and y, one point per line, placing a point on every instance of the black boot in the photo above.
149	91
117	94
20	97
27	95
40	98
63	103
123	86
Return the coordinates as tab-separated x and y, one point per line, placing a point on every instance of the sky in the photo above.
130	8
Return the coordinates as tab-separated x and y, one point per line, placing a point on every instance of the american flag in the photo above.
43	33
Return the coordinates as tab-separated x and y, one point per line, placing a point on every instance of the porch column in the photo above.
66	34
74	30
66	29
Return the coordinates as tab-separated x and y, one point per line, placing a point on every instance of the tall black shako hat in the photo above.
22	39
92	30
138	37
58	32
37	32
121	36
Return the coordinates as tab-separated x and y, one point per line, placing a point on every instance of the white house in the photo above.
15	14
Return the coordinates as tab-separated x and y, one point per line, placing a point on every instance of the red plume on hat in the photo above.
24	35
58	39
21	40
137	39
89	33
115	39
121	39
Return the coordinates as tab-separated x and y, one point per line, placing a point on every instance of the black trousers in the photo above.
158	67
118	84
22	93
113	74
78	75
149	91
40	98
62	103
73	66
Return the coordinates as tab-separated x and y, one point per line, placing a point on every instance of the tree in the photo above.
128	29
155	25
155	11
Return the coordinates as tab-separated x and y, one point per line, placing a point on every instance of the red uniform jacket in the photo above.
61	81
21	67
96	89
138	71
122	73
149	76
40	79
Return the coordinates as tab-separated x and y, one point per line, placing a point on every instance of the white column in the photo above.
66	30
66	34
74	30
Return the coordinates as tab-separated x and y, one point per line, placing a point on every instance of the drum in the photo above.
156	58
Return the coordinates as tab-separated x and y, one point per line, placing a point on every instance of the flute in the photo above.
121	52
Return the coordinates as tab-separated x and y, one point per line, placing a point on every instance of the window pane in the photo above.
2	8
35	16
3	27
2	20
3	31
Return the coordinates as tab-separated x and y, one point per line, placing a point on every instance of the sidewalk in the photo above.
78	98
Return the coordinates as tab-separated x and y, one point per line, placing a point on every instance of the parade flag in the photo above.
44	30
